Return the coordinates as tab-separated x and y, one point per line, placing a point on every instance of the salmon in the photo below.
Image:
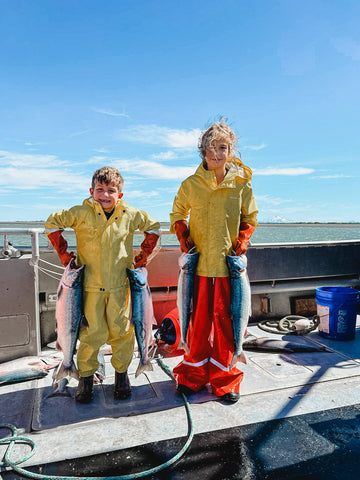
187	263
142	315
240	303
69	316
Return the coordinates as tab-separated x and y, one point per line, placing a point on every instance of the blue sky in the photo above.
132	84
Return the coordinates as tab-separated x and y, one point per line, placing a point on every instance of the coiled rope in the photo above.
287	325
14	439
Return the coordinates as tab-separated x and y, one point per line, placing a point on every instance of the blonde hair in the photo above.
108	175
219	130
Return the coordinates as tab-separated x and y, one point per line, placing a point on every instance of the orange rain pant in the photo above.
211	341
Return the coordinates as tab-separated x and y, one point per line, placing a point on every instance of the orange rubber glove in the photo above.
60	245
241	244
182	232
146	249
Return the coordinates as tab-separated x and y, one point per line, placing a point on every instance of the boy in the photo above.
223	213
104	225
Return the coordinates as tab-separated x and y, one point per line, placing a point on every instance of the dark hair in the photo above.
108	175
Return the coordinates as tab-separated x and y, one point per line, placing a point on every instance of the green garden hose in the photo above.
15	438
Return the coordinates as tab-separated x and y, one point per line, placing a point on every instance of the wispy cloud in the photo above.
333	176
254	147
165	156
270	201
110	113
295	171
79	134
348	47
30	179
97	159
34	171
140	194
100	150
15	159
156	135
33	144
147	169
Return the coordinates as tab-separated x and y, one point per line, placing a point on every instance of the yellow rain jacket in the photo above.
216	212
106	248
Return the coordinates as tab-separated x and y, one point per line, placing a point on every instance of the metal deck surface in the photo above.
276	387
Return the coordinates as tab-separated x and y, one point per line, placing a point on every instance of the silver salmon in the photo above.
240	303
142	314
185	292
272	345
69	316
27	368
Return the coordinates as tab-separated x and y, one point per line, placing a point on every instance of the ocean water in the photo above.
265	233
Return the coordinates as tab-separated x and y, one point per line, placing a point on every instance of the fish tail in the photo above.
237	358
63	372
60	389
147	366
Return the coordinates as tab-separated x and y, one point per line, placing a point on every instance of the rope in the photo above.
48	272
14	439
287	325
60	267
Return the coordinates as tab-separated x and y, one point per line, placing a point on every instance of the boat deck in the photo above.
295	411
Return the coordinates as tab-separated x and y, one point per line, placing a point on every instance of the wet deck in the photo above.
298	414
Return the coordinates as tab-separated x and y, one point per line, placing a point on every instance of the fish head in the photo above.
73	275
137	276
236	263
189	260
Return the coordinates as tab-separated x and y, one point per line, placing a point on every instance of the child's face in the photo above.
106	195
217	156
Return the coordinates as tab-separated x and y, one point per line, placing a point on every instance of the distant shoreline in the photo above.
260	224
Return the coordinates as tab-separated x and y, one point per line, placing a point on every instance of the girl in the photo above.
222	208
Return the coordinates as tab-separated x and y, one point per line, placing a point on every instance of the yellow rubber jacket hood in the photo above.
104	246
215	213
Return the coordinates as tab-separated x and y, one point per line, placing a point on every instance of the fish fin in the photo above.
143	367
99	377
60	389
237	358
63	372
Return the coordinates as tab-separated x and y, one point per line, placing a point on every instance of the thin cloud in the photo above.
347	47
79	134
140	194
14	159
165	156
156	135
326	177
34	171
254	147
110	113
293	172
34	178
100	150
144	168
97	159
271	201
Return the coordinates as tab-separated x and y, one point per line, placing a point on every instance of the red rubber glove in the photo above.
182	232
147	248
60	245
241	244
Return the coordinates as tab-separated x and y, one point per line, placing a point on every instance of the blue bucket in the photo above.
337	309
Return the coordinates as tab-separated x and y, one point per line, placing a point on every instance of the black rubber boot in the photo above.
185	390
122	388
85	390
231	397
